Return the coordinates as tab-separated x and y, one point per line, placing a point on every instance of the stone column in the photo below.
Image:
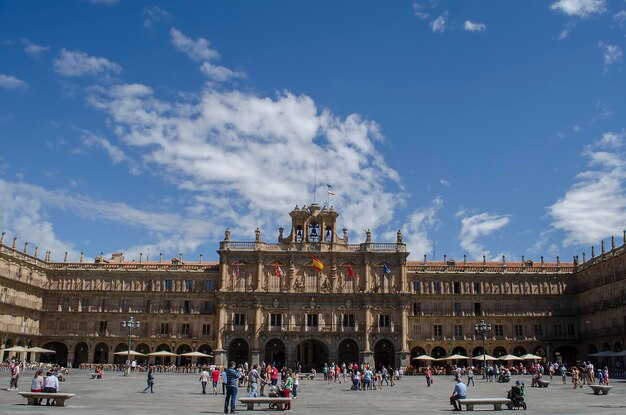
219	352
367	356
223	274
403	277
366	282
91	353
70	355
259	274
256	341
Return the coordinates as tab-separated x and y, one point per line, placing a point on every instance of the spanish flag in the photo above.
317	264
350	272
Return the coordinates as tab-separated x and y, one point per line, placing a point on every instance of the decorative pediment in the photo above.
240	262
273	262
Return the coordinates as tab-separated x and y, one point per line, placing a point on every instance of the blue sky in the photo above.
479	128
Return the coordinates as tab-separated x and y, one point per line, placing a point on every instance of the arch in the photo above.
7	344
145	349
120	358
499	351
477	351
60	357
384	354
592	349
438	352
539	351
275	352
606	347
162	360
312	354
418	351
239	351
566	354
347	352
519	351
101	353
183	360
459	350
81	354
617	347
205	348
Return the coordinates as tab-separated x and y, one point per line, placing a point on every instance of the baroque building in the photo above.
311	297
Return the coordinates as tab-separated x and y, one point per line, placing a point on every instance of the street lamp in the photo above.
130	324
480	329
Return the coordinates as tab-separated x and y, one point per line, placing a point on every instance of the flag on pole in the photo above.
386	269
330	190
350	271
317	264
279	271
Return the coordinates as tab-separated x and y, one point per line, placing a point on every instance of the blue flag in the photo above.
386	269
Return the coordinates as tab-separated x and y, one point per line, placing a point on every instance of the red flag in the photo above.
279	271
350	272
237	271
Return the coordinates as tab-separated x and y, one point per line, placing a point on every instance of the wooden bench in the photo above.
600	388
496	402
543	383
278	403
34	397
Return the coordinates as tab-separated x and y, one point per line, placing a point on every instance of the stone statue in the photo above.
227	235
399	236
368	236
257	235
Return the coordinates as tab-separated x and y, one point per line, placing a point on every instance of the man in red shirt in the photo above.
215	377
274	376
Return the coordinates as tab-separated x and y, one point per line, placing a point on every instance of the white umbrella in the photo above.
509	357
484	357
39	350
16	349
531	356
162	353
454	357
606	353
196	354
424	357
127	353
622	353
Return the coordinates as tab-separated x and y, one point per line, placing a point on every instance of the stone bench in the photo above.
309	376
496	402
34	397
543	383
600	388
94	375
397	377
278	403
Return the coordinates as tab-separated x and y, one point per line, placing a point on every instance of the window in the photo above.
125	305
207	307
276	320
477	310
519	330
66	303
103	304
437	287
416	286
168	285
82	326
148	307
206	329
571	330
239	319
417	330
184	329
348	320
84	303
166	306
189	285
458	309
187	307
103	327
457	287
458	331
476	288
384	320
437	330
209	285
538	330
558	330
499	330
149	285
165	328
312	320
417	309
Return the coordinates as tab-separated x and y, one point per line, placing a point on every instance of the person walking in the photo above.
253	381
215	378
232	382
15	376
204	379
296	383
287	386
470	375
150	380
429	376
460	392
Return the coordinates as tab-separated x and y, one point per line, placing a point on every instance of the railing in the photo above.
319	246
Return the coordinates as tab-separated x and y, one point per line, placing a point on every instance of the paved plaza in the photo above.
180	394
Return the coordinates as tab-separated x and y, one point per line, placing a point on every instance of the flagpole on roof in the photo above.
315	177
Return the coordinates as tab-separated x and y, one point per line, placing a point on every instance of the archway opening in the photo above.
162	360
81	354
347	352
438	352
119	359
499	351
238	351
206	349
60	357
519	351
145	349
384	354
183	360
312	354
459	350
592	349
101	353
477	351
275	353
566	354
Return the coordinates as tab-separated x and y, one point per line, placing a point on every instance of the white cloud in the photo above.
444	182
439	24
595	206
474	27
153	15
219	73
11	82
477	226
420	10
620	17
34	49
117	155
77	63
579	8
612	54
415	232
198	50
563	35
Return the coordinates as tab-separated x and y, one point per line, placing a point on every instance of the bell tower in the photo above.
313	224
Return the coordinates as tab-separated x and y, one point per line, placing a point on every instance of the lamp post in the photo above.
130	324
481	328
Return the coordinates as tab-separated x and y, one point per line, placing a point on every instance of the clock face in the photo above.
313	246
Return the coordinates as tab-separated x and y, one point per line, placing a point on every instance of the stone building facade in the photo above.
311	297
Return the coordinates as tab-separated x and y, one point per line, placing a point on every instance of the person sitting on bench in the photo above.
460	392
51	385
